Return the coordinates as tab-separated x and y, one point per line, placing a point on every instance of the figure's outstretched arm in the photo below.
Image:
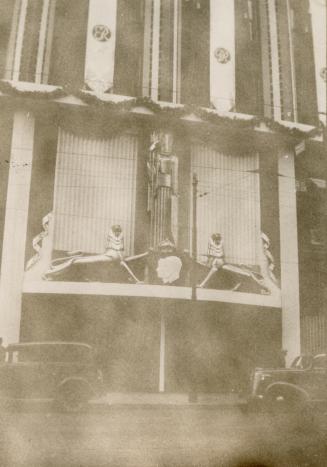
132	258
63	265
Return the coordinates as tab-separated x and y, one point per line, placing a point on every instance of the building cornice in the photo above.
165	112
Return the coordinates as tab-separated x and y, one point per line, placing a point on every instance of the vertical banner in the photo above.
100	47
222	54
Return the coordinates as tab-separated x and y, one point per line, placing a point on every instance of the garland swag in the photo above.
162	112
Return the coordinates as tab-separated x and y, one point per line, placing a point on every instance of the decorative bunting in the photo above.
162	114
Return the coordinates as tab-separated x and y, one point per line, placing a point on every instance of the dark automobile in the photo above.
300	387
64	372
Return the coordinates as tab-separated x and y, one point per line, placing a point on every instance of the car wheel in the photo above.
73	404
292	407
72	399
280	402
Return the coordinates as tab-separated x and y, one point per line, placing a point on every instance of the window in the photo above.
95	188
230	204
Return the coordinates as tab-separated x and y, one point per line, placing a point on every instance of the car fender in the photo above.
76	380
288	387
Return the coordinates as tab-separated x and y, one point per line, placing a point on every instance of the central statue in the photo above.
162	189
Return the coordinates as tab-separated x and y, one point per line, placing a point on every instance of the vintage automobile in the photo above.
64	372
298	389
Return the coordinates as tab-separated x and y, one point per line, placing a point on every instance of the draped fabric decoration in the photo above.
30	41
228	203
95	188
222	55
100	47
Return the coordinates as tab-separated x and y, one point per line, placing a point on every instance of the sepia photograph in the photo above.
163	233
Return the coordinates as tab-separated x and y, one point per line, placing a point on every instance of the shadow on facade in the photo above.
209	347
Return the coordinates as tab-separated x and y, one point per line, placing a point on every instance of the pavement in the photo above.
157	436
171	399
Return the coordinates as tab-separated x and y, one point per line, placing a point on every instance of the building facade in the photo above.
155	159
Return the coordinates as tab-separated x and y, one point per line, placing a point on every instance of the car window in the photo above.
51	354
54	353
302	362
66	353
26	355
320	361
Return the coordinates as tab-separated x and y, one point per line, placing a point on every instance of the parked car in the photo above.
298	388
64	372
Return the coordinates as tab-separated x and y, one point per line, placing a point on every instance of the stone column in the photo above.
289	255
15	229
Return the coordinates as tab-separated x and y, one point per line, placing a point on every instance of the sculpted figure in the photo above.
162	189
113	252
216	256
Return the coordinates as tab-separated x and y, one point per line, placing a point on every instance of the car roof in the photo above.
21	345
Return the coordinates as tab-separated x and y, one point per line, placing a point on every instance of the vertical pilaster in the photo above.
289	255
273	31
42	41
319	31
19	40
13	256
267	93
146	72
177	51
154	87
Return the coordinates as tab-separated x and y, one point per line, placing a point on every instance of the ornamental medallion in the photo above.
222	55
169	269
101	33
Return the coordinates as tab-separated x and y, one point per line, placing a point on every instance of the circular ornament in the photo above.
169	269
222	55
323	74
101	33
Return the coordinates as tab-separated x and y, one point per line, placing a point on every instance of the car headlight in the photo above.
259	382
